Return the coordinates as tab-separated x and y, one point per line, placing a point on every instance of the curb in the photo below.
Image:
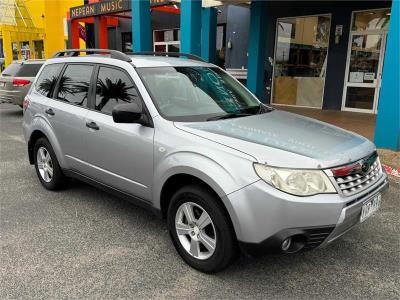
391	171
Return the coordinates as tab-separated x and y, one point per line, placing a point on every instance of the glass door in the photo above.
364	70
365	60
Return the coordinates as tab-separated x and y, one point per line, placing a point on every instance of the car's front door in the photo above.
120	155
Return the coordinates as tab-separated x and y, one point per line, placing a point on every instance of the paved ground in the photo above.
83	243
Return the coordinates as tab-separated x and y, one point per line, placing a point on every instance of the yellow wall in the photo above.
14	34
51	15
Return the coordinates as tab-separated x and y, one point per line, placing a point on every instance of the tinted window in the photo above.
47	79
74	84
29	70
11	70
114	87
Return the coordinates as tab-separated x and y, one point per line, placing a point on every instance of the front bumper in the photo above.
264	217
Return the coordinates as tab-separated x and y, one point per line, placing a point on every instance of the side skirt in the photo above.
113	191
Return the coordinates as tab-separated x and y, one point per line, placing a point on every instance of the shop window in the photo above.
1	48
371	20
220	43
25	50
167	40
39	49
1	56
14	51
127	42
301	54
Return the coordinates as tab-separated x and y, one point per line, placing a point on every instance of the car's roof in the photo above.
142	61
29	61
139	61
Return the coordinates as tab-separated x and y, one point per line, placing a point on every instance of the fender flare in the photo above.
41	124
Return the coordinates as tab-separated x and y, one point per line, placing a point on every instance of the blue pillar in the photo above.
191	26
209	34
141	26
257	48
387	130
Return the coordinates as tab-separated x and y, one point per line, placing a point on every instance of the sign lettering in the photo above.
108	7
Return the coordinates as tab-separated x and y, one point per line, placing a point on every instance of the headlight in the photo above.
296	182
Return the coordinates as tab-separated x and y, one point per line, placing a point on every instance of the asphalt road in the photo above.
84	243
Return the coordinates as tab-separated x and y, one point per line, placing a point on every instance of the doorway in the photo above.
365	60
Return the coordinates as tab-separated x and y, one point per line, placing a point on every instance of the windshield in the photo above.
191	94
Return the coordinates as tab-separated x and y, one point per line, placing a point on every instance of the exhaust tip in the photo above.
286	244
293	244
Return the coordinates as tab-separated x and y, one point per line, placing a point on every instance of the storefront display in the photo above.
300	60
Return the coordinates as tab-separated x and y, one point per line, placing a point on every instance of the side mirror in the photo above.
127	113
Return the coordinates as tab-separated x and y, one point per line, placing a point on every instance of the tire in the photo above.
57	180
199	199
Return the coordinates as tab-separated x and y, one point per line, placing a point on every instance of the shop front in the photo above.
19	37
313	54
326	55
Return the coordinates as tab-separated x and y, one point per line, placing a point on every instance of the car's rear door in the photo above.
121	155
67	111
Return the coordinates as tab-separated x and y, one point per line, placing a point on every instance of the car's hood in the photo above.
285	139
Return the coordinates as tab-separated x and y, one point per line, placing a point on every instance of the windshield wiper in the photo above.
229	116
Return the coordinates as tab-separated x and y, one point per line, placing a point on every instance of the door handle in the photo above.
50	112
92	125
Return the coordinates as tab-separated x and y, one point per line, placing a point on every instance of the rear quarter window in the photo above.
29	70
11	70
47	79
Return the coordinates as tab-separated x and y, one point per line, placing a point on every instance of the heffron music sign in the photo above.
108	7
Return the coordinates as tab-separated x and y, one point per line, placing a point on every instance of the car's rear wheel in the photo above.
200	229
46	164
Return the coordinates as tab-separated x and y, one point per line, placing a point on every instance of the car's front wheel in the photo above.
200	229
46	164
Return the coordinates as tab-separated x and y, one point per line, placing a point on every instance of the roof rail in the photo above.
170	54
76	52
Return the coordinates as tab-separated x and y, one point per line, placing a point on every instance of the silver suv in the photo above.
187	140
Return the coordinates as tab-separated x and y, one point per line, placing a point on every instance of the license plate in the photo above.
370	207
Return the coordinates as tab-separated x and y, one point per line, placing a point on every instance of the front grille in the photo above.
355	183
316	236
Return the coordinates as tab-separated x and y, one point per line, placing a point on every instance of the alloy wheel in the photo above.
44	164
195	230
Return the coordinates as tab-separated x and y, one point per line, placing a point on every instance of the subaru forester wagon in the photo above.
188	141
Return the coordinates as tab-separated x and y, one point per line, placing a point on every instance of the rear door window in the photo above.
74	84
114	87
11	70
47	79
29	70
